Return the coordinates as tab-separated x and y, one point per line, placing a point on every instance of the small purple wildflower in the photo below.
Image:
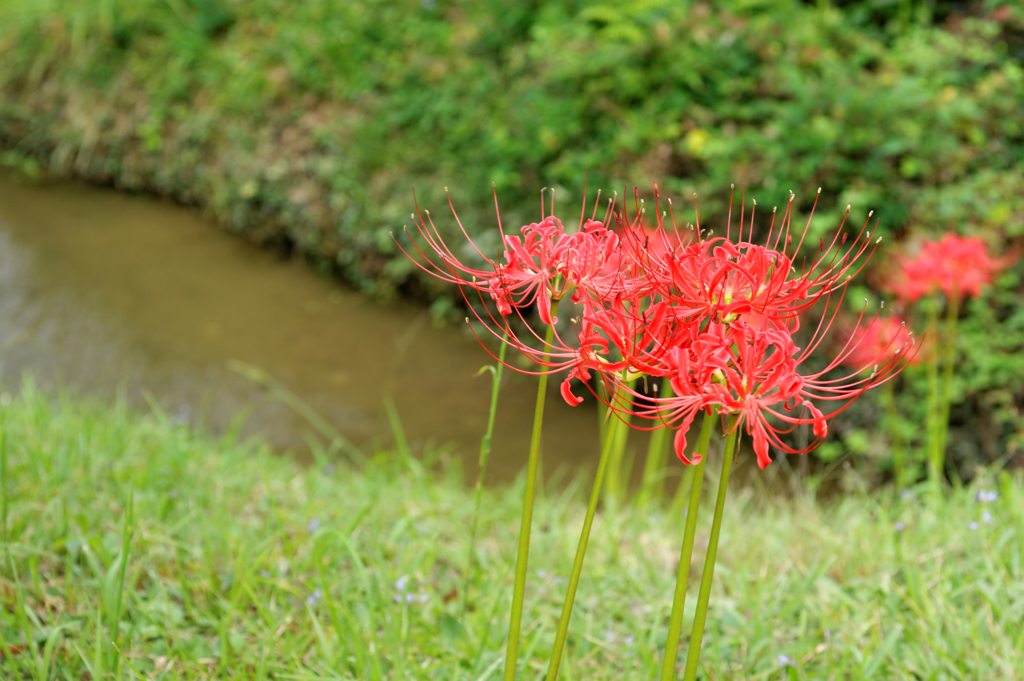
402	583
973	526
785	661
900	526
314	597
986	517
986	496
329	469
313	525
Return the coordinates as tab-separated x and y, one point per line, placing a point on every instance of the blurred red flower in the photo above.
957	266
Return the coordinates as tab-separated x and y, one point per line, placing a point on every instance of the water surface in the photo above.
101	290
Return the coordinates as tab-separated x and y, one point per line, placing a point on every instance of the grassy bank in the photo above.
241	564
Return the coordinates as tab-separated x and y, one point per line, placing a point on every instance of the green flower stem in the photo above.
732	433
896	442
675	627
602	411
577	565
617	430
522	558
485	452
934	471
653	484
3	473
948	359
680	499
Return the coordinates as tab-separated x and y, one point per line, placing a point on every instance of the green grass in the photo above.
244	564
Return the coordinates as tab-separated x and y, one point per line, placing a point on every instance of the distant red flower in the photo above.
882	339
956	265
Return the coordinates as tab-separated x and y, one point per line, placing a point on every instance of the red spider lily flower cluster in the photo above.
955	265
716	317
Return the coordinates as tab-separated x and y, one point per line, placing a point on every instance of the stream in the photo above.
102	291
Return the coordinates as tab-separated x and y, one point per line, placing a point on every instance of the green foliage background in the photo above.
309	123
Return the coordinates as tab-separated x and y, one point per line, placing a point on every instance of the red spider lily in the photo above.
738	369
533	265
535	262
543	264
955	265
719	278
674	282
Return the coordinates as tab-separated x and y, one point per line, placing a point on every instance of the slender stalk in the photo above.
948	360
3	473
602	411
681	498
653	483
675	626
522	558
126	539
934	472
485	452
577	564
732	433
617	431
895	441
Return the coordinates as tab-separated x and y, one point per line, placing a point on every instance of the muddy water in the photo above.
101	291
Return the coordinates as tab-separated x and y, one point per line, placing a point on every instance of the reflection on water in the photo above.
100	290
